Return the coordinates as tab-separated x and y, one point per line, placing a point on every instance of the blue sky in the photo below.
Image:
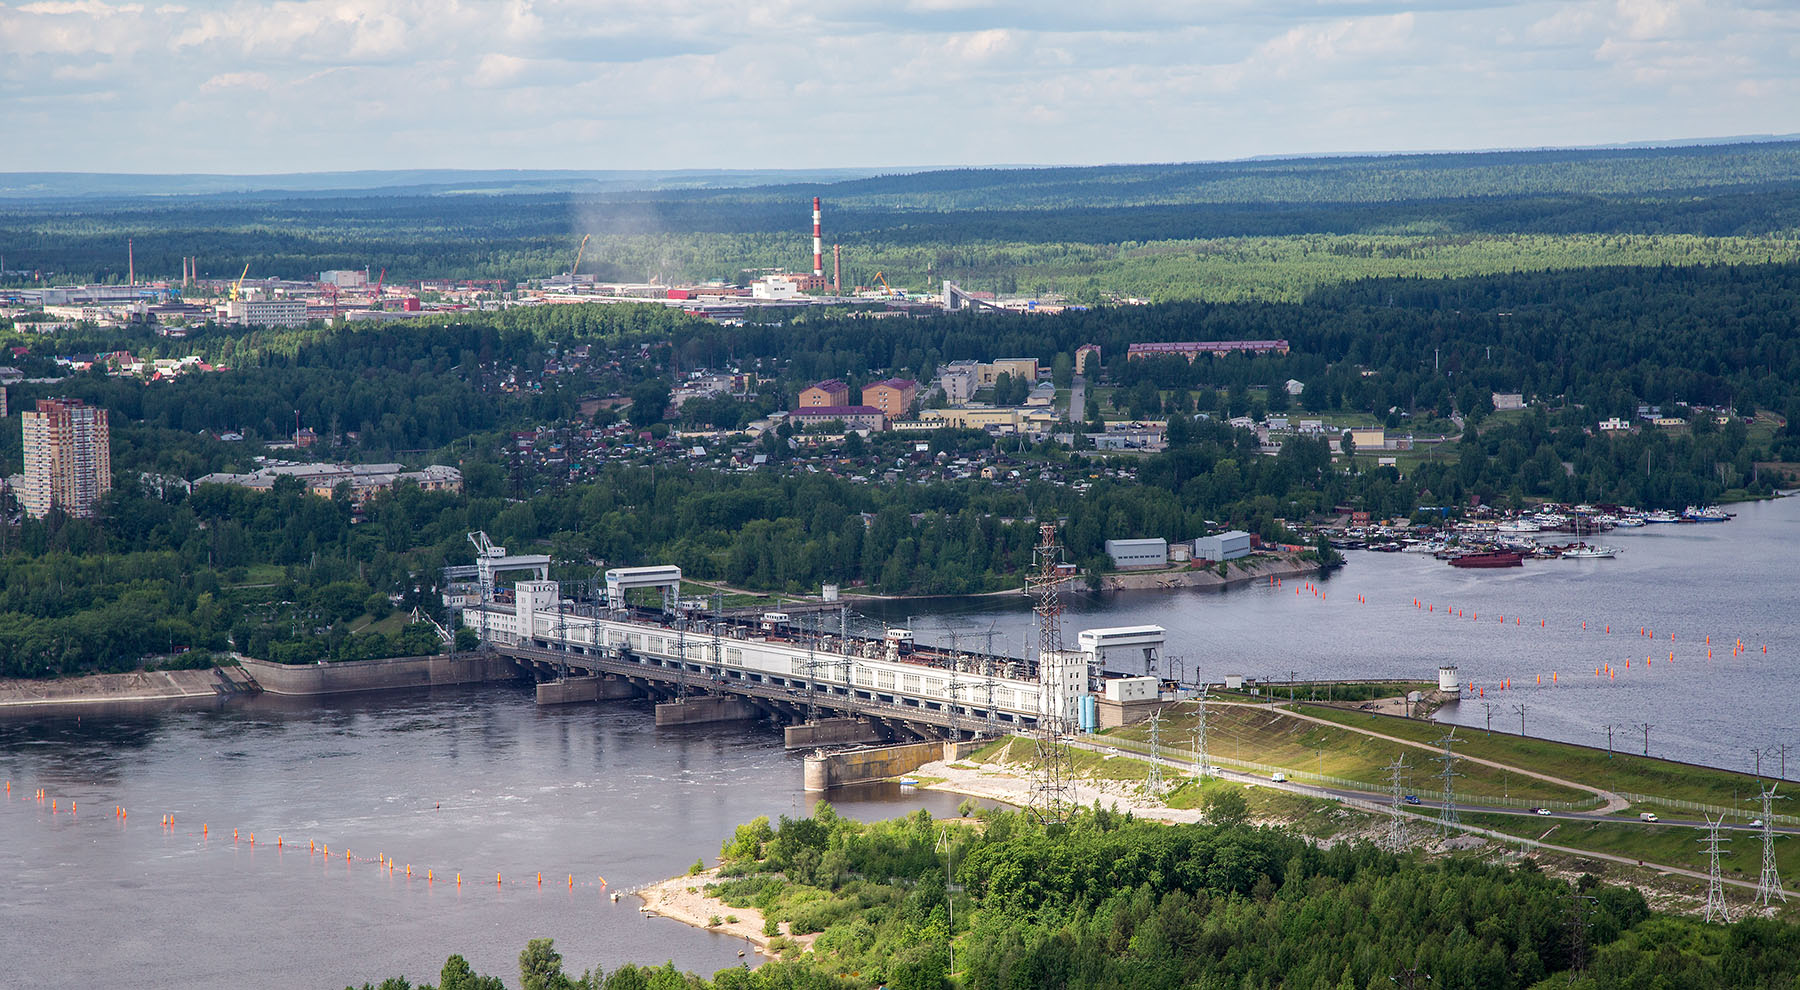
204	86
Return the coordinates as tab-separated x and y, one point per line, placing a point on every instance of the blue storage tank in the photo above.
1090	713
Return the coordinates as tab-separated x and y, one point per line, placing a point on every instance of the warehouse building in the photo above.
1224	546
1138	554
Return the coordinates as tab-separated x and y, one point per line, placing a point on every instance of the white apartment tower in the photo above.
68	457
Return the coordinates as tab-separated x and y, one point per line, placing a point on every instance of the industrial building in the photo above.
68	457
265	312
1138	554
1223	546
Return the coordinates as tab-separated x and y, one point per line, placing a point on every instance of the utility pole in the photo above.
1577	923
1645	728
1521	710
1609	750
1488	706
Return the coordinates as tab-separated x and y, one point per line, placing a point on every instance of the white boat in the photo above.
1518	526
1589	553
1630	520
1661	516
1706	513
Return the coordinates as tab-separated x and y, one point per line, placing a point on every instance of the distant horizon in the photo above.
897	168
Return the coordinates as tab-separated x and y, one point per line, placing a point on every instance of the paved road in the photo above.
1077	399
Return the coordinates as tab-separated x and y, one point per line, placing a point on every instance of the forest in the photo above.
237	570
1108	901
1272	230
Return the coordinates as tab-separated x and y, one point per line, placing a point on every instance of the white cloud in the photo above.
601	83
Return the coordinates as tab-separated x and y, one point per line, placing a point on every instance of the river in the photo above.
1729	581
474	780
481	781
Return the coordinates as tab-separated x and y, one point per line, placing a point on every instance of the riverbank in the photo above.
100	692
1248	570
684	899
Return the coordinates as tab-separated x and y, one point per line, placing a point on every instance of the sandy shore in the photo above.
684	899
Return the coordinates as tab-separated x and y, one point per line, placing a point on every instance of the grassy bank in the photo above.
1621	772
1267	736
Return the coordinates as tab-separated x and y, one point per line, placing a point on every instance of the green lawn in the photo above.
1667	845
1622	772
1264	735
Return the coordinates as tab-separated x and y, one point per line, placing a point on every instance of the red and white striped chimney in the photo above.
818	242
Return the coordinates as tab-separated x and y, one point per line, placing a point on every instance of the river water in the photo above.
477	780
1729	581
480	781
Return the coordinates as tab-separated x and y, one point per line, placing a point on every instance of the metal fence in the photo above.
1705	809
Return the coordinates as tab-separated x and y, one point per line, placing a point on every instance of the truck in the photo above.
1645	816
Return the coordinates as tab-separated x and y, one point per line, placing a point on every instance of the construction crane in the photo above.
885	287
375	294
578	252
238	285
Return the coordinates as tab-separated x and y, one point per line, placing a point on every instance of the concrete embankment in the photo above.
380	675
1237	572
97	692
824	771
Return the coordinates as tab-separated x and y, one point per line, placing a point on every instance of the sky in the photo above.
313	85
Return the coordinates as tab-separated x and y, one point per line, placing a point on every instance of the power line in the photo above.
1645	728
1050	784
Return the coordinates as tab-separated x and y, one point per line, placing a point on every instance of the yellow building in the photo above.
990	371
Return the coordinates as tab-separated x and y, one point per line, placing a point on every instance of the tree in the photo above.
457	974
1228	807
648	401
1348	443
540	967
1062	370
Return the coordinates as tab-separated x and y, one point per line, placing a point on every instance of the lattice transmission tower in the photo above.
1397	796
1050	798
1768	886
1448	817
1716	908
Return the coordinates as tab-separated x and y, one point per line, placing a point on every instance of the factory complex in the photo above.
174	306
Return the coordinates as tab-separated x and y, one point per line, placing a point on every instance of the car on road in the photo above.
1646	816
1411	799
1756	823
1278	777
1540	811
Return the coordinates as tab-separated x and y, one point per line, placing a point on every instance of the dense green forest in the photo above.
1582	345
1109	901
1219	231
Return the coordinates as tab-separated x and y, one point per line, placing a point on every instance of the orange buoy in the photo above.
278	842
571	881
496	879
540	878
409	869
459	879
203	829
429	876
